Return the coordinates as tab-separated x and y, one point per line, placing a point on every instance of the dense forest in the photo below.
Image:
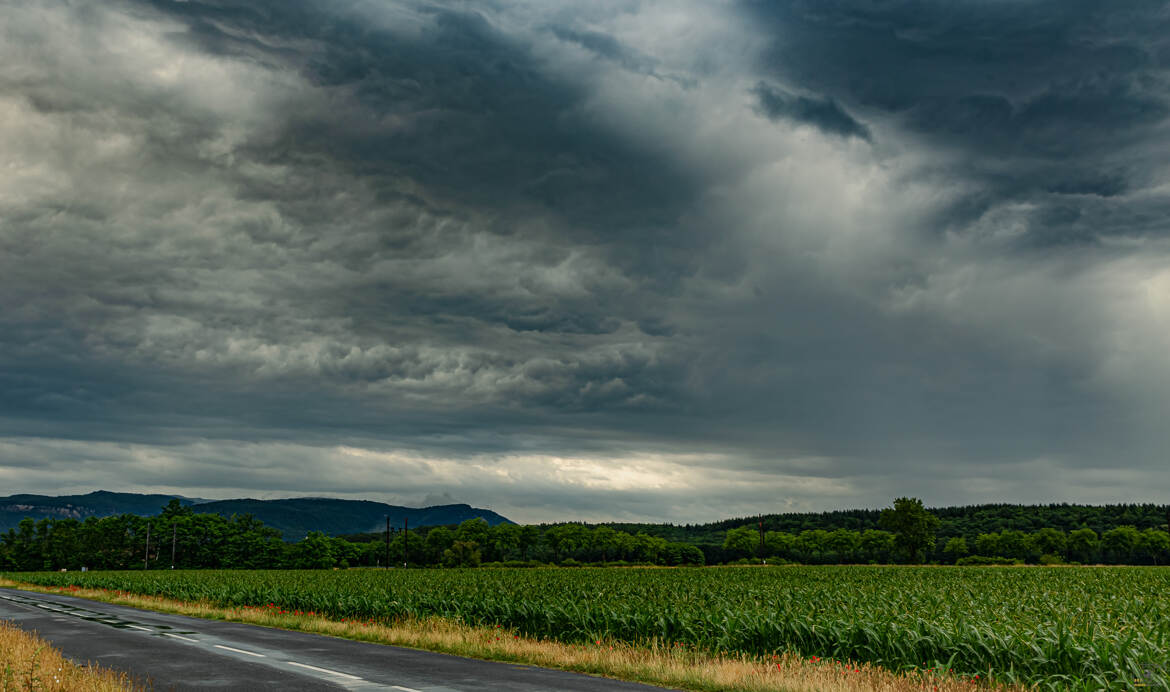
967	523
185	539
179	536
1123	545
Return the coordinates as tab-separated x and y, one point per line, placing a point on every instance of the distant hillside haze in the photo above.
294	517
100	503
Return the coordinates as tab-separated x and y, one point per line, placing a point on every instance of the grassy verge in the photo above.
676	667
29	664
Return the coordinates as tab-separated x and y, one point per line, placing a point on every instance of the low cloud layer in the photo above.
630	260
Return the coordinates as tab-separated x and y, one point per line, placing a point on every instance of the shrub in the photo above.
984	560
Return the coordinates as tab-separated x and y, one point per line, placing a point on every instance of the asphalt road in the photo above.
172	652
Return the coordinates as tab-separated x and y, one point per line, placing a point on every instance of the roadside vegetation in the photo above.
1058	628
29	664
676	666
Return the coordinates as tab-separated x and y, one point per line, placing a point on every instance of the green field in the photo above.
1090	627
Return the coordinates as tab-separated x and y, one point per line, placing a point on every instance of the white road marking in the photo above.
179	636
229	648
326	670
240	651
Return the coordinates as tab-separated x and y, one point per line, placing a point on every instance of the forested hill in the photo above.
292	517
955	521
101	503
296	517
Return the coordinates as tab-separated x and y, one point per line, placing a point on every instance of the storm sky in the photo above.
620	259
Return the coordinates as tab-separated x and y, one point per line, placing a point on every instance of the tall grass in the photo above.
29	664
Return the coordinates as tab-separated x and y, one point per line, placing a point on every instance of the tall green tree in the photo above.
987	544
813	546
742	541
462	554
683	554
505	542
1048	541
844	545
1120	544
877	546
913	528
1082	545
1013	543
528	539
956	548
779	544
438	541
314	552
1154	546
473	531
567	540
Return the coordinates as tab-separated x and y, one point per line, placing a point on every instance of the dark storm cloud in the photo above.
420	357
1035	96
606	46
823	113
1022	67
458	106
556	259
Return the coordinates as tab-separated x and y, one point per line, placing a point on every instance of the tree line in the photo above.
1124	545
905	533
182	538
968	521
912	537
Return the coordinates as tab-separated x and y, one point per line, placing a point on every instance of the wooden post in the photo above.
761	538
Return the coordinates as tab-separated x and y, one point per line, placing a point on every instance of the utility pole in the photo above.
146	557
387	541
405	541
174	539
761	537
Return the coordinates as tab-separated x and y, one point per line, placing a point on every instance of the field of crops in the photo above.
1092	627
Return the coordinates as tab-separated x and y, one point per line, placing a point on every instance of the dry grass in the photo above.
677	667
28	664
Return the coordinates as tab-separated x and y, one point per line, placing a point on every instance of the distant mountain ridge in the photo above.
294	517
100	503
297	516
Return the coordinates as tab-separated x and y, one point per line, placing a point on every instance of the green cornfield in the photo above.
1056	628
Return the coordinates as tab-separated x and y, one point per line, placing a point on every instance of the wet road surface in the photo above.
173	652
